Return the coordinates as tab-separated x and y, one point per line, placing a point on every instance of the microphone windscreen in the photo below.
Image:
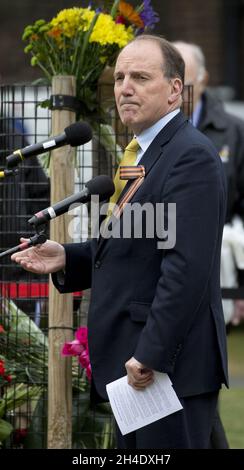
78	133
101	185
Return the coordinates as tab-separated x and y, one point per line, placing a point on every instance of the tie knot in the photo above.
133	146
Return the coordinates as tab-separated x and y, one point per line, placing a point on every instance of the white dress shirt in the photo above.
146	137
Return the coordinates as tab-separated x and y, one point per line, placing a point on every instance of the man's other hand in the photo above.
139	376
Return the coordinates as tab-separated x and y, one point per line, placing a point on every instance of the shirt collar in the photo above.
146	137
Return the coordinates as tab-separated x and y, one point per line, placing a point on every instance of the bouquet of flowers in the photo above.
23	381
83	41
22	363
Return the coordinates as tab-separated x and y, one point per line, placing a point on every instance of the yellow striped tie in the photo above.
129	159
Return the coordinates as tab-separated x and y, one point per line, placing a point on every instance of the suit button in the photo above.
97	264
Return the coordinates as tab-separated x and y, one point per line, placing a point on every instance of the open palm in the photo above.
41	259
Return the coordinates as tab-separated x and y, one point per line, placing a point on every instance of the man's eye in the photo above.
117	79
141	77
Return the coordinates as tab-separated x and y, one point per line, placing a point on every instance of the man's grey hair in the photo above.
174	65
197	55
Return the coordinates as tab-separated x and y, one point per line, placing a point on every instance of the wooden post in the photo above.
60	306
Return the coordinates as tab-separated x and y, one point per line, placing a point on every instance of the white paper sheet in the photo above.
134	409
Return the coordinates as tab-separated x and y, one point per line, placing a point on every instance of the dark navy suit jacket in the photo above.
161	306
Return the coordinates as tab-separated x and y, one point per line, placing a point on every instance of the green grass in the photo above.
232	415
236	352
232	400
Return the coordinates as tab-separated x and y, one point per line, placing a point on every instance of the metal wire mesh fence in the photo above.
24	296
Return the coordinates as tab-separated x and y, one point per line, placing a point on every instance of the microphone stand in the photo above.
38	239
5	172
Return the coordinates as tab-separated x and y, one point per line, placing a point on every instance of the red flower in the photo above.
2	330
19	436
120	19
8	378
2	368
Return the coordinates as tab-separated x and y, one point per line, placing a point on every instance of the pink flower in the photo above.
79	347
72	348
84	359
89	372
81	335
2	330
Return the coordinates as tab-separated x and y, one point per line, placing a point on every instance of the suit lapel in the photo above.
155	150
150	157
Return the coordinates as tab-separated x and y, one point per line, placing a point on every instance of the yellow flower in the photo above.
82	42
71	20
106	31
87	17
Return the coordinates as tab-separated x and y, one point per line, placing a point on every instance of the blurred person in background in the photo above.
227	133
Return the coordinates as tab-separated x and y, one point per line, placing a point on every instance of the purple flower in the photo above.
148	15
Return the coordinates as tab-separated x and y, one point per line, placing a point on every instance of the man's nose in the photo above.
127	87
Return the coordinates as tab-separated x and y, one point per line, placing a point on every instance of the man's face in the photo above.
192	72
143	95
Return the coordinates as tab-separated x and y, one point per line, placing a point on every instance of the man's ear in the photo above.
176	90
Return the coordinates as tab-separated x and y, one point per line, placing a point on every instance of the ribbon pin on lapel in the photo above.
136	173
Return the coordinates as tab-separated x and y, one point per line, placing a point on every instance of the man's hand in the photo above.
139	376
41	259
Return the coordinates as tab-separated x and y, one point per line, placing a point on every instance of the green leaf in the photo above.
114	8
45	103
85	42
5	429
37	432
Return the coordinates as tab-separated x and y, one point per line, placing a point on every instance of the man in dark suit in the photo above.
227	134
153	308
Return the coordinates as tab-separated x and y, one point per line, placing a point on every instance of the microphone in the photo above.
5	173
101	185
76	134
37	239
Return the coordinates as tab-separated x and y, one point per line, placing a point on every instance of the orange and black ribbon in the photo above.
129	172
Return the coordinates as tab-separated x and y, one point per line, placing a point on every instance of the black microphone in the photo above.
101	185
76	134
